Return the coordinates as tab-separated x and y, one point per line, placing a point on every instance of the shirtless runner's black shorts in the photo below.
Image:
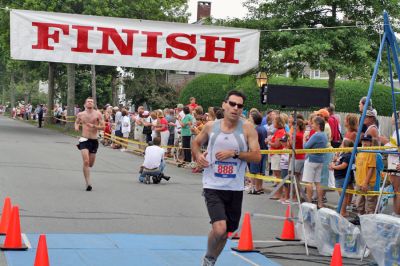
91	144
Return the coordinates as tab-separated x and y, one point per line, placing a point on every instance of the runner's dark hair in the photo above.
236	93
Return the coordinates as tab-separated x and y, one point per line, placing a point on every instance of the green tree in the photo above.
345	52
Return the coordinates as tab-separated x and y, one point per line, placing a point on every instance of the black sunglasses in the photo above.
233	104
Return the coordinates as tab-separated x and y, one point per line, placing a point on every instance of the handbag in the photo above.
147	129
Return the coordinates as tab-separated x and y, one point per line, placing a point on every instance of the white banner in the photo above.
80	39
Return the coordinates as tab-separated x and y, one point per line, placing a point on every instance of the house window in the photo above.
317	74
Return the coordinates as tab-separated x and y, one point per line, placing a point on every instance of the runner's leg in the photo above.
216	239
86	165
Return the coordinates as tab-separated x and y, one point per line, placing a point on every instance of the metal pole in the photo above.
294	182
353	153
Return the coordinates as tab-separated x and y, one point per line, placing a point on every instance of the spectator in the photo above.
351	125
118	122
314	162
211	114
192	105
275	144
371	126
40	115
186	123
366	177
138	134
147	126
154	123
327	176
299	157
340	164
219	112
334	124
284	165
162	128
309	131
264	121
393	163
171	119
258	168
369	108
125	128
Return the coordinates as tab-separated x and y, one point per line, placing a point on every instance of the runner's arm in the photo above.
253	155
101	124
77	122
201	138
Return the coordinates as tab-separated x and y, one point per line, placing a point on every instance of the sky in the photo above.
220	9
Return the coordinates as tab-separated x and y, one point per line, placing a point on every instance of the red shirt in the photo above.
192	105
164	123
299	145
334	124
279	133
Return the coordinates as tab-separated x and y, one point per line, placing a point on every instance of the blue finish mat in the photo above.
129	249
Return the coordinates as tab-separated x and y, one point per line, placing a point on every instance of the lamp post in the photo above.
262	81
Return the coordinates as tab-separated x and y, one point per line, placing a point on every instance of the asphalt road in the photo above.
41	171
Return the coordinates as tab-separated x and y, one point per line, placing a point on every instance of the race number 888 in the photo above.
225	169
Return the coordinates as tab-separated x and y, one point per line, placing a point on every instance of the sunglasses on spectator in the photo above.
233	104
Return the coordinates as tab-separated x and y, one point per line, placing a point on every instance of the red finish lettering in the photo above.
229	49
152	44
190	50
44	35
123	48
82	40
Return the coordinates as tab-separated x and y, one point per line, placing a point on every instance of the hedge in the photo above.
210	90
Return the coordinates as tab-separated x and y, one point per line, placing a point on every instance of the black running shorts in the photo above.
91	144
224	205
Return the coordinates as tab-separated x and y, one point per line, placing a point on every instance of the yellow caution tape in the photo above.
349	191
327	150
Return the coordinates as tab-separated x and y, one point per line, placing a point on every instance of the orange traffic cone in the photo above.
336	256
246	236
288	228
13	238
42	256
5	216
233	236
287	213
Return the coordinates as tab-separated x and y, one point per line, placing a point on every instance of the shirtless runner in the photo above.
91	121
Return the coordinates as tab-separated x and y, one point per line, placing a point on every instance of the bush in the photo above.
210	90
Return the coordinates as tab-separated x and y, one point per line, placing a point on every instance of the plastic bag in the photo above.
382	235
309	214
331	228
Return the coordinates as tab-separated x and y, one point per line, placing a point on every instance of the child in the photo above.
366	177
284	164
340	164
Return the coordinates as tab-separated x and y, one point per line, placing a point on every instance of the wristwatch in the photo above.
236	155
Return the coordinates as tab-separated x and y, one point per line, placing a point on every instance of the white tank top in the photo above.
227	174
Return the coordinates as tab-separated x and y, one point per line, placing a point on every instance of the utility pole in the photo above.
93	72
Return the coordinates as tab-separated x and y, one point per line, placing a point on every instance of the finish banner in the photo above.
93	40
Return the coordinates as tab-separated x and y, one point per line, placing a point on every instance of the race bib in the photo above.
225	169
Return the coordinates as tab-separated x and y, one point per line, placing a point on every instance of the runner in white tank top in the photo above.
231	143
